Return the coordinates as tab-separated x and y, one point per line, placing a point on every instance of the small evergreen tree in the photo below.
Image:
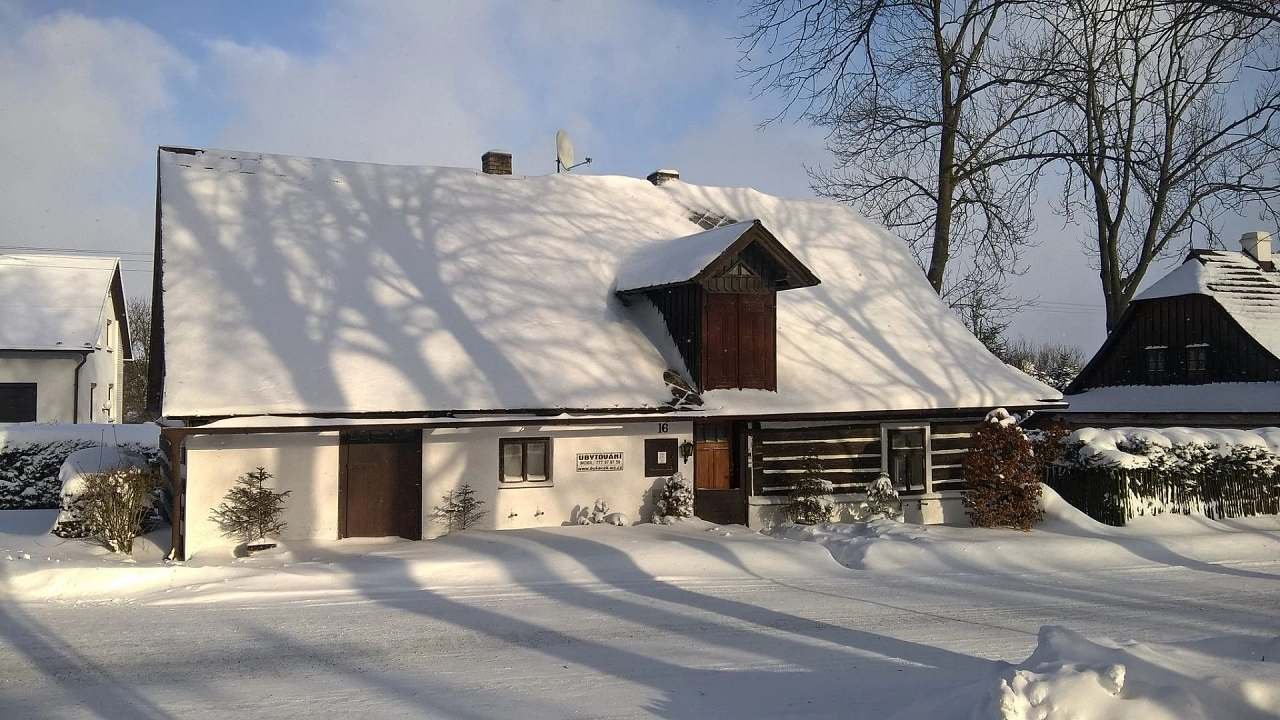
673	500
882	498
1001	471
459	509
810	498
251	511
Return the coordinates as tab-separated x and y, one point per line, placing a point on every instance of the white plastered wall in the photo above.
53	374
306	464
452	457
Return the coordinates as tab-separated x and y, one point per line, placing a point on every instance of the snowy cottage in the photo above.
378	335
1200	347
63	339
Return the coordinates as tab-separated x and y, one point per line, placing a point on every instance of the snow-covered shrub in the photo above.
251	511
84	462
882	499
809	501
673	500
114	505
29	473
618	519
1001	471
599	511
459	509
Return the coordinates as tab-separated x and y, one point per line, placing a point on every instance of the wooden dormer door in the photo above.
739	341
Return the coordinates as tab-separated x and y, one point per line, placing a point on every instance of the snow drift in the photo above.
1069	677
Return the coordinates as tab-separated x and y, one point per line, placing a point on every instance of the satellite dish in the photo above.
564	153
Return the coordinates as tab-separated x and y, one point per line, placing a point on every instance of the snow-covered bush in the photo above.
599	511
115	504
79	465
673	500
459	509
251	510
1001	471
809	501
29	473
882	499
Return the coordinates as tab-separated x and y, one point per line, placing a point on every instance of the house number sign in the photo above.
598	461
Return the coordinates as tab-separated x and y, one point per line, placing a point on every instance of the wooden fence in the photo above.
1113	496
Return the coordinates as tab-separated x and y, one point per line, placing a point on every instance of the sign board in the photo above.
599	461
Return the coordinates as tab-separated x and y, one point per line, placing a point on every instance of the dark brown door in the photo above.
720	361
756	328
380	485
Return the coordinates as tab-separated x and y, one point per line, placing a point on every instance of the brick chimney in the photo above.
658	177
496	162
1257	245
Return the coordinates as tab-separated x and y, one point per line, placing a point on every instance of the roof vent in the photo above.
496	162
1257	245
658	177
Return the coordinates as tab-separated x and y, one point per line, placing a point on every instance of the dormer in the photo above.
717	292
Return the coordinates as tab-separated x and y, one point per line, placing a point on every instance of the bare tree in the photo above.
932	111
1168	118
138	312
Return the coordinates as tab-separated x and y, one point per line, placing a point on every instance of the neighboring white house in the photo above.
64	338
376	336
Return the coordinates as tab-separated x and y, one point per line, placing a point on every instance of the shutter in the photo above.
720	369
756	328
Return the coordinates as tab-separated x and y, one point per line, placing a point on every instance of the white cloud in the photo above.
82	99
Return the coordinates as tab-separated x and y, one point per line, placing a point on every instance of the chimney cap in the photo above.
662	175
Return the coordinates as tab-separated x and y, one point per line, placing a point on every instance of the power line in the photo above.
73	251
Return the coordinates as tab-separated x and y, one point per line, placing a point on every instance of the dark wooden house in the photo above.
1200	347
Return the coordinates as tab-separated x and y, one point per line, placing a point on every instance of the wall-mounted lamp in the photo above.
686	450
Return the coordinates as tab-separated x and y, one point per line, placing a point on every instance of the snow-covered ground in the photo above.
687	621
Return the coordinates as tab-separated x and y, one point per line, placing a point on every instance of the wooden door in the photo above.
756	328
711	466
380	485
720	351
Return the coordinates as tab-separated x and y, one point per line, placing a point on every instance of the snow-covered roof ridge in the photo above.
691	257
53	302
1246	290
302	285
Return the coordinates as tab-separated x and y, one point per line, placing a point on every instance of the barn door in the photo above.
380	485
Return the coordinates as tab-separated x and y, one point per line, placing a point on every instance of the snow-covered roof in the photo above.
1248	292
295	285
690	257
1229	397
53	302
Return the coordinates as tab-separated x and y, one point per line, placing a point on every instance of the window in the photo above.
17	402
1155	362
1197	358
907	458
660	456
524	461
108	336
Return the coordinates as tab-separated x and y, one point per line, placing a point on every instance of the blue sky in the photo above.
89	88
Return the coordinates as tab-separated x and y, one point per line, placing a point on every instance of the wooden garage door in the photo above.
380	485
17	402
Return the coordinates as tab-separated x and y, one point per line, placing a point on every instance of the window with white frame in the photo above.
907	457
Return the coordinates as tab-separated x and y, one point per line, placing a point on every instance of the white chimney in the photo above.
1257	244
